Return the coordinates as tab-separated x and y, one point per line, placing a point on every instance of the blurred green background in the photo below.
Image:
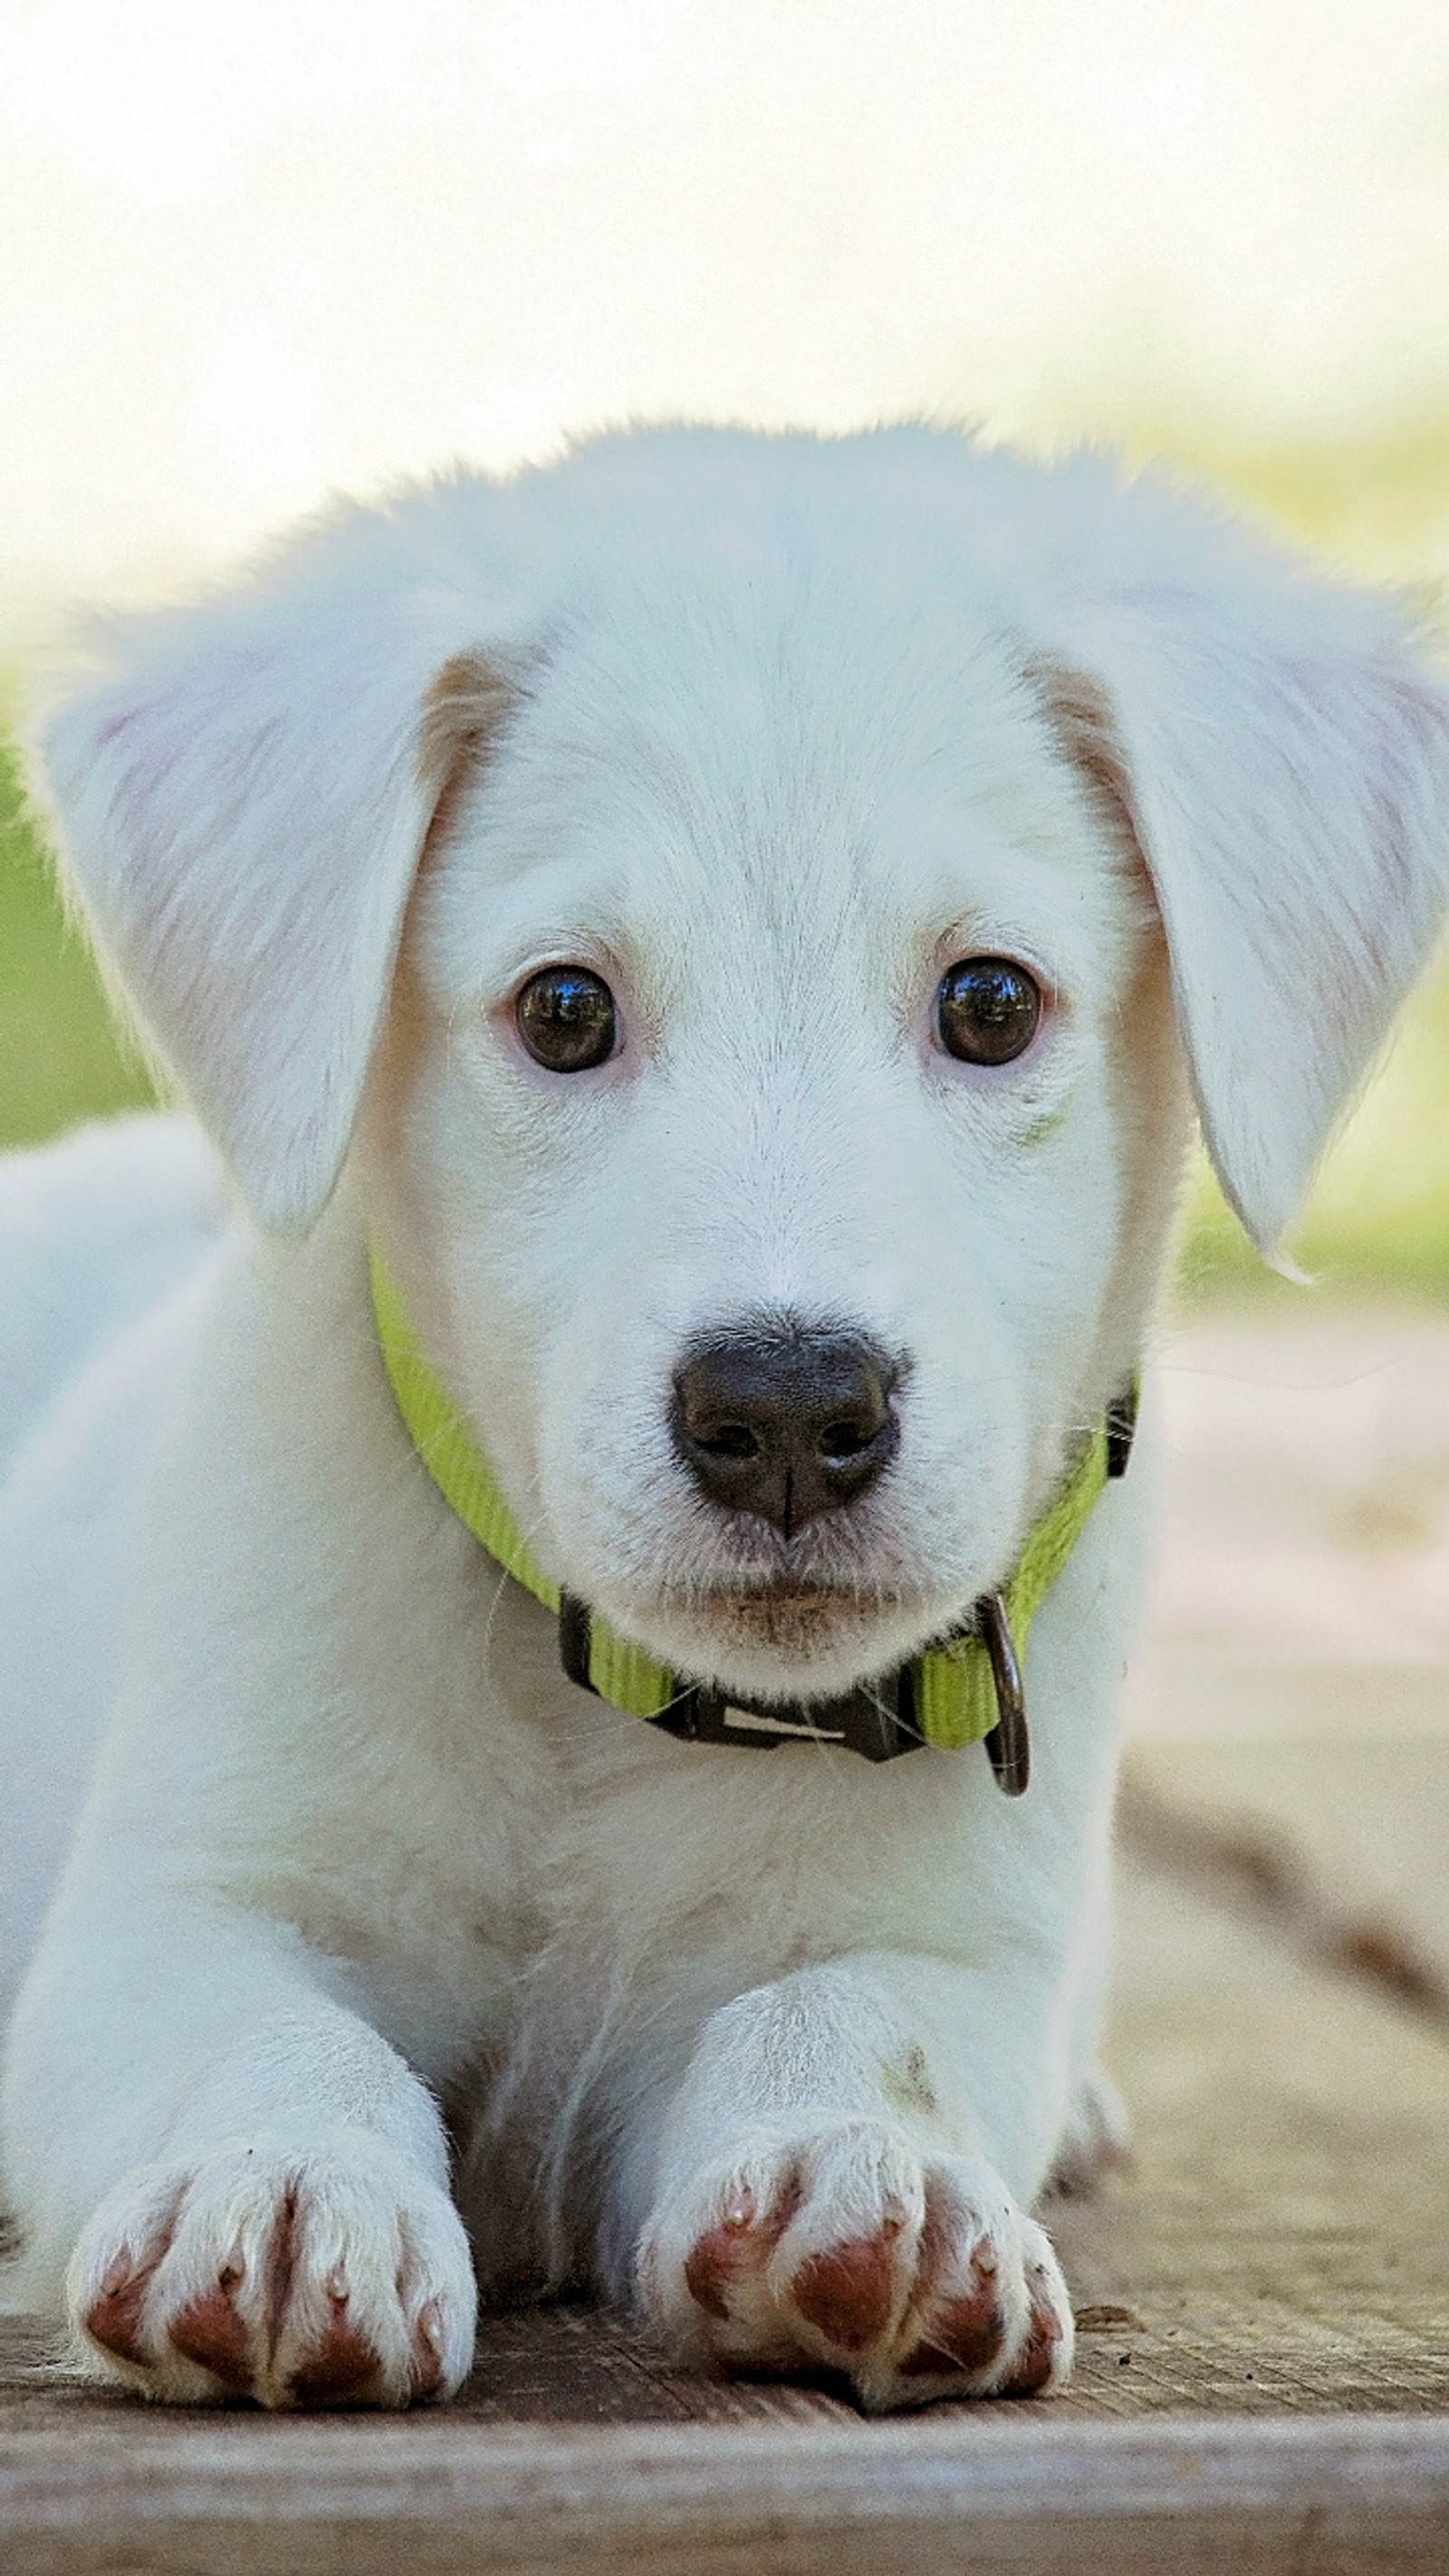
61	1057
1378	1221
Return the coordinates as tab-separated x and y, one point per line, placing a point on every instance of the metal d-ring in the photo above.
1008	1744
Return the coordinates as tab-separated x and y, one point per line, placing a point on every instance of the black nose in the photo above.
787	1420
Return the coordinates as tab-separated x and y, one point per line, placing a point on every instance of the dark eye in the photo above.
987	1010
565	1018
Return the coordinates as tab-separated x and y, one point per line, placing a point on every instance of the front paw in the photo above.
319	2277
916	2276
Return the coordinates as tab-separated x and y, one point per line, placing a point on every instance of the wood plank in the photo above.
960	2491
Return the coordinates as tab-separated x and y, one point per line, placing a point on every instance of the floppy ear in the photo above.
243	799
1282	765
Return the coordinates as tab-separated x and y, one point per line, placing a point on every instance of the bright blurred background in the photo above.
255	251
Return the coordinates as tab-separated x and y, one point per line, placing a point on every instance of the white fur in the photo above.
766	731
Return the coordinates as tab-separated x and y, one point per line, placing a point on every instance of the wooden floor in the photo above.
1263	2380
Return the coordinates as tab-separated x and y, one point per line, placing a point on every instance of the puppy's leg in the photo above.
828	2192
1096	2136
250	2185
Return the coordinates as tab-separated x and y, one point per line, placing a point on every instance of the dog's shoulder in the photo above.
93	1231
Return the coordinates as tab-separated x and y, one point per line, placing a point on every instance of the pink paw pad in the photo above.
721	2258
847	2293
114	2318
1036	2363
341	2365
736	2249
210	2332
966	2334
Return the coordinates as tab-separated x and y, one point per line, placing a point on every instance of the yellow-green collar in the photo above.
958	1690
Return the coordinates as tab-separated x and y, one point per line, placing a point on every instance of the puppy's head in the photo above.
762	896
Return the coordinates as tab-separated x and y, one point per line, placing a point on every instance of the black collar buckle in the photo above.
877	1720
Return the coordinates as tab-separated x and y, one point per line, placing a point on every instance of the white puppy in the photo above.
726	928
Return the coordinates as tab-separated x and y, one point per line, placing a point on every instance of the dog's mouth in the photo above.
769	1617
788	1615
